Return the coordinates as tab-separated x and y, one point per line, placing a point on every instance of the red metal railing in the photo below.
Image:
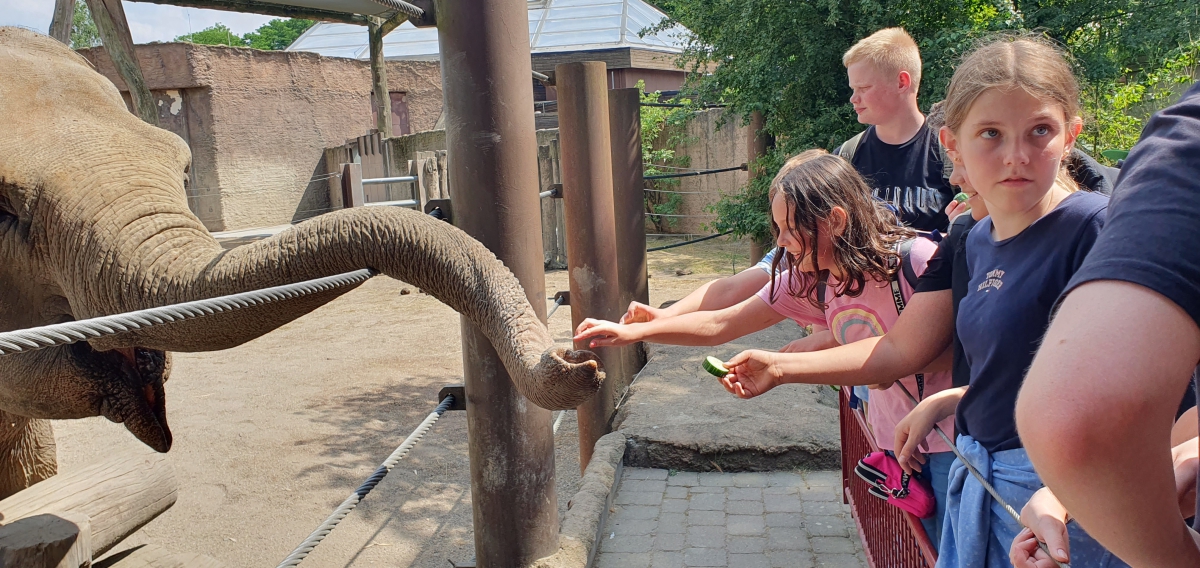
891	537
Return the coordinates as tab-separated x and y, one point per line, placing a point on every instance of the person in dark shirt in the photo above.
898	154
1095	408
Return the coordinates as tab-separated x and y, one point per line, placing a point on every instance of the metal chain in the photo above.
352	501
36	338
402	6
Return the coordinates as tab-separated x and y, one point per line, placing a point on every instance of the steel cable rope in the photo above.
353	500
37	338
402	6
693	241
979	477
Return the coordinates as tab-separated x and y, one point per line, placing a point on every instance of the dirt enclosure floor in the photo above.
272	435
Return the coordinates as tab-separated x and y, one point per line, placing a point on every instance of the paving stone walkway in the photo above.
736	520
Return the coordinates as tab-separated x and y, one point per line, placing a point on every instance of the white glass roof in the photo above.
554	26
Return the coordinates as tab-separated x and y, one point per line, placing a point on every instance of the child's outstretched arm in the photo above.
696	328
710	296
919	338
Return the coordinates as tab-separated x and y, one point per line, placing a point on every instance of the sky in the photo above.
147	22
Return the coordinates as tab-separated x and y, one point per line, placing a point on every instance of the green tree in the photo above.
217	34
83	29
277	34
783	58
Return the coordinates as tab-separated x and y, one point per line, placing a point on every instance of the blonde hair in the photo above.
1026	62
890	50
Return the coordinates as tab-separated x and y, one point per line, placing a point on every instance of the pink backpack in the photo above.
889	482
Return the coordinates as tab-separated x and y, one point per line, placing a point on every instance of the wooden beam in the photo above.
119	496
49	540
267	9
114	32
383	98
64	19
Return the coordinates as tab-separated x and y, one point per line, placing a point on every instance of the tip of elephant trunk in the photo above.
566	378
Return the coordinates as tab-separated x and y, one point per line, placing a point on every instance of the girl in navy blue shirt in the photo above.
1012	116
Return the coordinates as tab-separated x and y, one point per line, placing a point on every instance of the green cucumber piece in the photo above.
961	197
715	366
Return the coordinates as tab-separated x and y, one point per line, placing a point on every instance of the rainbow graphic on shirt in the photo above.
856	322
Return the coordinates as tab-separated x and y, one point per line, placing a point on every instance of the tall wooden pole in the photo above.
64	19
492	163
587	174
756	147
383	98
114	32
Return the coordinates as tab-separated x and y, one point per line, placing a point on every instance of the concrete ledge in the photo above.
587	511
679	417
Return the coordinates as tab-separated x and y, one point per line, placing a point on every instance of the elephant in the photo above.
94	221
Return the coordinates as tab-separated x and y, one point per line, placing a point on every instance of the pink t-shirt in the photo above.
871	314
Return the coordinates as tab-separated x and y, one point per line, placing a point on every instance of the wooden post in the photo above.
48	540
383	98
114	32
118	496
352	186
63	21
756	147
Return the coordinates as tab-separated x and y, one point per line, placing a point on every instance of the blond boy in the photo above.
898	153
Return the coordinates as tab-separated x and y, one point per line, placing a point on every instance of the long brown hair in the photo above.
813	183
1015	61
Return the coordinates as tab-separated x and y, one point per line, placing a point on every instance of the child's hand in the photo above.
600	333
639	313
1187	466
751	373
910	436
956	208
1046	521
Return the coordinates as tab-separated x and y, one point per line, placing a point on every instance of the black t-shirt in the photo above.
947	270
1013	288
908	176
1154	221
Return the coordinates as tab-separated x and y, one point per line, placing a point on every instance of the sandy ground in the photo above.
272	435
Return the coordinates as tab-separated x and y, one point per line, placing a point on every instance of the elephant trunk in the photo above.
175	264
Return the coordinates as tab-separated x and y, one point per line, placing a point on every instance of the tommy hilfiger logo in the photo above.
993	280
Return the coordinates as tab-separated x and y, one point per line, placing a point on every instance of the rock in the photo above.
683	271
405	291
679	417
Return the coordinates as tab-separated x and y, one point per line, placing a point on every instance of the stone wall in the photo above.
258	122
712	142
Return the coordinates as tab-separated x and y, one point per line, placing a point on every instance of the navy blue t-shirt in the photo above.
1154	225
908	176
1013	288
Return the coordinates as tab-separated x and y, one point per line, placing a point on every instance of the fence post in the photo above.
591	227
629	205
352	186
492	151
756	147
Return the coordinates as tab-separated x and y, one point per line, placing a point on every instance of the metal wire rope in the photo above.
401	6
37	338
982	481
353	500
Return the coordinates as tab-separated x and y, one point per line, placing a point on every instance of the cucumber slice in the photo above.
961	197
715	366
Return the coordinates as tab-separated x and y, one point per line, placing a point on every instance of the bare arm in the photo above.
696	328
720	294
1095	415
915	344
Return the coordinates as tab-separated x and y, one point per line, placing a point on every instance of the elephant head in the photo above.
94	221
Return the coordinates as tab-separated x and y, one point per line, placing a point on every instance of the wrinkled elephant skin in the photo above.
94	221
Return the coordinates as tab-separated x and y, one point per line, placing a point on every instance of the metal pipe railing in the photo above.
400	179
400	203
